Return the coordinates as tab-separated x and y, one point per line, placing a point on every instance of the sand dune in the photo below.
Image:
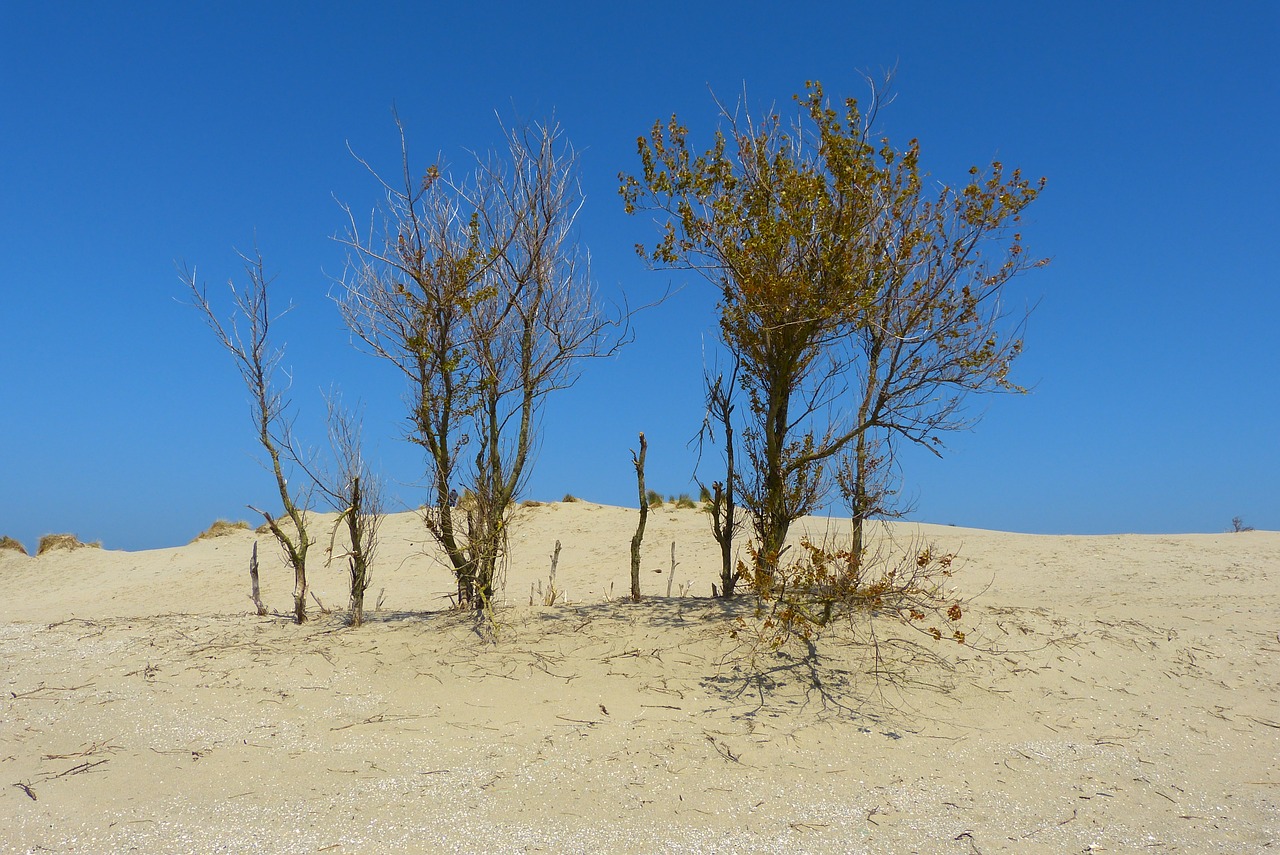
1120	696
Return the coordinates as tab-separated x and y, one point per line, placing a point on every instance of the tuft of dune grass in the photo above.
50	542
7	542
220	528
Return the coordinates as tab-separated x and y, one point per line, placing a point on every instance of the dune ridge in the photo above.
1119	695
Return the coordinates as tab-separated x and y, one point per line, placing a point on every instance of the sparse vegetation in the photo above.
569	497
476	289
653	498
1237	525
825	584
51	542
683	501
857	298
355	492
258	364
221	528
12	544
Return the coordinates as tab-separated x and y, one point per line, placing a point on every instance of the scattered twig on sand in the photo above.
93	748
26	788
77	769
39	692
380	718
578	720
723	750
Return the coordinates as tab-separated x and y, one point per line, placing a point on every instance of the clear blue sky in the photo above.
134	137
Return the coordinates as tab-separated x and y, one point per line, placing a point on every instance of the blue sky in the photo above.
137	137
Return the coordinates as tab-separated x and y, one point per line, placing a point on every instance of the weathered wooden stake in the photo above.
253	579
638	460
672	577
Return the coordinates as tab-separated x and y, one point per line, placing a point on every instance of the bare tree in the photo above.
476	289
246	336
356	493
724	508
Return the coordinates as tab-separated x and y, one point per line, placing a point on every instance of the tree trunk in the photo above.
359	571
859	499
644	515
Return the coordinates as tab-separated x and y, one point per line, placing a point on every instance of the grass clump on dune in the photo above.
221	528
7	542
50	542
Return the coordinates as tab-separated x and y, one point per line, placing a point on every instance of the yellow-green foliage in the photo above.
221	528
50	542
7	542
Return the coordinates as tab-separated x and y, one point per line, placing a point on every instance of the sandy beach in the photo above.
1120	694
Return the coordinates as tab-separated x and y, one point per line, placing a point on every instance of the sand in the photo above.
1120	695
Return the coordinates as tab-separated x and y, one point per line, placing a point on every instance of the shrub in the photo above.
221	528
1237	525
50	542
7	542
653	498
800	599
569	497
684	501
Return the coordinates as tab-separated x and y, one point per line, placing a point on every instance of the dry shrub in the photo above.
531	503
286	525
50	542
7	542
221	528
569	497
824	584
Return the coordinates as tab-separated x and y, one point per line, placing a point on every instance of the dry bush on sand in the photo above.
50	542
801	598
7	542
221	528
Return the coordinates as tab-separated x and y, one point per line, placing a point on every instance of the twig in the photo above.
723	750
380	718
83	767
33	693
577	720
26	788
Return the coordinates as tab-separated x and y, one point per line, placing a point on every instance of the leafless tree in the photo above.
477	290
246	336
724	508
356	493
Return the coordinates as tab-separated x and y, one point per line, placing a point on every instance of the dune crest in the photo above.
1123	699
